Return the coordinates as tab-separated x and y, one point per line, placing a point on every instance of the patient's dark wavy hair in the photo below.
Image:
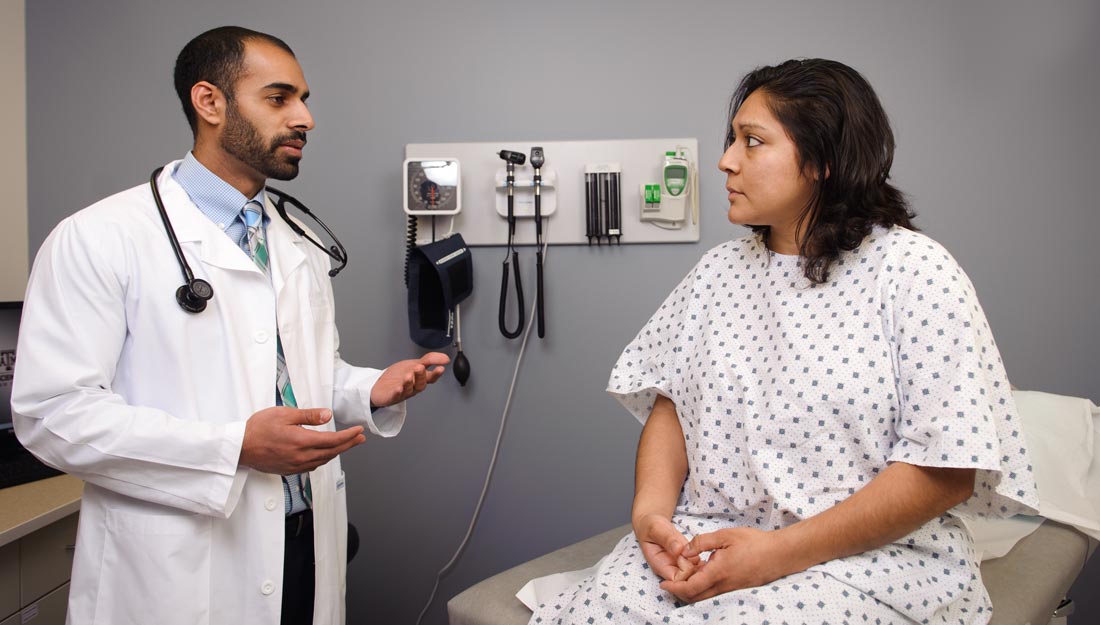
843	139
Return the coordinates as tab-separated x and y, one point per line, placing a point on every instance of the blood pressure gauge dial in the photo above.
432	186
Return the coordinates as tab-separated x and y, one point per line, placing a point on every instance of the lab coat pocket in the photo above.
165	560
322	309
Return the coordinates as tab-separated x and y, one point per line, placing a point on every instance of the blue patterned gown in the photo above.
792	397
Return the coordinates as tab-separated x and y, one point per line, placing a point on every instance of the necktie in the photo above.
257	249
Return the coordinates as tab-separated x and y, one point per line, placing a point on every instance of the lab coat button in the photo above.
270	503
260	336
267	588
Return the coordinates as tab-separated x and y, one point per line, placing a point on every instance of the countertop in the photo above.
28	507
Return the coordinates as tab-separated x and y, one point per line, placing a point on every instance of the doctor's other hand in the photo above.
275	442
663	546
740	557
406	378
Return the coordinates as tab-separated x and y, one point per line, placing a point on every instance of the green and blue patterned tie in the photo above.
257	249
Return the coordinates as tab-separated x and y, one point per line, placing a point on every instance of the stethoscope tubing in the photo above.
196	289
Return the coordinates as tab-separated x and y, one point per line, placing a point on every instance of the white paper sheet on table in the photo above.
544	588
1065	455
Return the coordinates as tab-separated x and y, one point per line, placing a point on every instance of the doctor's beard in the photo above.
241	139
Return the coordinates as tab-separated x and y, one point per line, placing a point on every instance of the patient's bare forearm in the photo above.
661	465
898	501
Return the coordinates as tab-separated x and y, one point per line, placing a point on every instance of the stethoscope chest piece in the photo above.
195	292
193	296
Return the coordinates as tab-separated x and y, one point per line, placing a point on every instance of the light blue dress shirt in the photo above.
224	205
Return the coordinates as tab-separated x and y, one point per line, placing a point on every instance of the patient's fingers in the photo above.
659	560
666	535
685	569
698	586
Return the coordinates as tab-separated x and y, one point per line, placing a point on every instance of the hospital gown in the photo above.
793	396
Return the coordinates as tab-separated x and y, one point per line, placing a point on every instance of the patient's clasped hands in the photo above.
739	557
663	546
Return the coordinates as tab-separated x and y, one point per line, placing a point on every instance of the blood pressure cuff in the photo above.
441	274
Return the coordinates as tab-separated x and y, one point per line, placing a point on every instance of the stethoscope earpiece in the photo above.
193	296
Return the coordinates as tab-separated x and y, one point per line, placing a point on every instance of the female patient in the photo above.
822	399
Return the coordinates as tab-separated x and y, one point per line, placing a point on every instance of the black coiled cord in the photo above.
410	244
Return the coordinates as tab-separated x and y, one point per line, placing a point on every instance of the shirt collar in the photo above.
214	197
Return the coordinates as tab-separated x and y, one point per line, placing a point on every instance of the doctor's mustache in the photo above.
298	135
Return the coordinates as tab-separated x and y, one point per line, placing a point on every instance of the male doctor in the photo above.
213	491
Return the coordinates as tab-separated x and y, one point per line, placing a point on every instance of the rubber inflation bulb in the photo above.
461	368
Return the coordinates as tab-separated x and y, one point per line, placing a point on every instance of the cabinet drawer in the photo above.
46	559
9	580
49	610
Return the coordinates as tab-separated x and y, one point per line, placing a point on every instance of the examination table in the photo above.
1025	585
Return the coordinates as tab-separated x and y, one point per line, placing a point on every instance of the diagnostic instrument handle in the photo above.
540	310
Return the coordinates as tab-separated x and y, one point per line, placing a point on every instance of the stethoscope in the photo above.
195	292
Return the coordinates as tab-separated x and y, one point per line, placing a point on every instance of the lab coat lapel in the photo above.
292	303
196	233
285	247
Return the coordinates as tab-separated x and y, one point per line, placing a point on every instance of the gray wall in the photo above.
13	160
994	108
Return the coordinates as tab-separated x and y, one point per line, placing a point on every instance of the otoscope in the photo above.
510	255
537	160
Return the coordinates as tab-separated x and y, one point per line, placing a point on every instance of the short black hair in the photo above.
838	125
216	56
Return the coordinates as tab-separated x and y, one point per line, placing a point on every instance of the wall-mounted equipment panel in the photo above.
593	192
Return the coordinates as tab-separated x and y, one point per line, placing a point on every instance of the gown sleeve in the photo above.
653	363
955	404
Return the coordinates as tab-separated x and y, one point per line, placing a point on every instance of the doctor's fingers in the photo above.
320	457
314	440
420	379
308	459
434	358
285	415
304	416
434	374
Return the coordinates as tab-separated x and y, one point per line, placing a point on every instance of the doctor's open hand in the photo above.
275	442
406	378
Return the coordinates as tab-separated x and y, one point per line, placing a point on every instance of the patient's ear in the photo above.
811	174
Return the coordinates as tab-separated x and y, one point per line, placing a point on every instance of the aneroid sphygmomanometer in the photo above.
438	274
195	292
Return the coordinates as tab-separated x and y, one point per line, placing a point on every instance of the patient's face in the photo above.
766	186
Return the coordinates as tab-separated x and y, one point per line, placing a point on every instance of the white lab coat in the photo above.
147	403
